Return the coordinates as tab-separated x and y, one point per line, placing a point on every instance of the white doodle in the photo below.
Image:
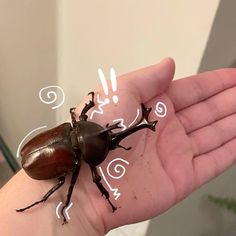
106	91
101	104
113	84
26	136
48	96
57	209
120	169
116	194
135	118
161	109
66	210
122	125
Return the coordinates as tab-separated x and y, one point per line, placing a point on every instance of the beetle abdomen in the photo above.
49	154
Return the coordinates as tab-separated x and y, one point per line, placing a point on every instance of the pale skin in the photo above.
193	143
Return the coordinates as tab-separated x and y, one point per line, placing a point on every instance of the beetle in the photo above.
59	151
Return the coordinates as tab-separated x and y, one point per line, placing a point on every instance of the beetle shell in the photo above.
93	144
49	154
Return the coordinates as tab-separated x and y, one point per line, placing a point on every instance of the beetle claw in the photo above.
64	221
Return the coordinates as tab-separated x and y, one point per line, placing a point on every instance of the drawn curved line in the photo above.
113	79
58	206
121	123
101	104
19	147
103	81
54	93
115	190
114	84
135	118
66	210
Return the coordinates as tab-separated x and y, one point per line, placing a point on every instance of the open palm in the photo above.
192	144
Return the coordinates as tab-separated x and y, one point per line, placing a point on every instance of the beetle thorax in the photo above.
93	142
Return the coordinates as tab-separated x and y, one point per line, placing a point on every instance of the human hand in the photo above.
192	144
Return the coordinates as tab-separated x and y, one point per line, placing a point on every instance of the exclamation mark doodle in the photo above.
105	89
113	84
105	86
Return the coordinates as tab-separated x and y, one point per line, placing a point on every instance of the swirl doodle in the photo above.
49	95
118	168
161	109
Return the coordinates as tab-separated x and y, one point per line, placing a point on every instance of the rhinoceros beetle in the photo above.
59	151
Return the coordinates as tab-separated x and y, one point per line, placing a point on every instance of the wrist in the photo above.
21	191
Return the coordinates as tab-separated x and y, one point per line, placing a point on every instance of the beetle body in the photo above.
93	143
49	154
60	151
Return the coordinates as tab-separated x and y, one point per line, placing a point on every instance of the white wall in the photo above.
28	62
127	35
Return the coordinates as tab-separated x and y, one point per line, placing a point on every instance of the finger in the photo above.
144	83
208	111
210	165
151	81
213	136
194	89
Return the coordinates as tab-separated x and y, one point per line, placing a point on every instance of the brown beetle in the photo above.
59	151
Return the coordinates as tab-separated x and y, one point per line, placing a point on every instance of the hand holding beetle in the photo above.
191	145
194	143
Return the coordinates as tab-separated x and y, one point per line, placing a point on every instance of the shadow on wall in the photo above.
220	49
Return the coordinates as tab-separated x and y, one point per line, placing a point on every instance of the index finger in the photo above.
194	89
151	81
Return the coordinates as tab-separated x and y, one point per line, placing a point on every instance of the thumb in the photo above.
153	80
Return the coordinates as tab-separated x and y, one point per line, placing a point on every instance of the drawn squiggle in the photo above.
51	95
118	169
101	104
116	194
66	210
161	109
26	136
123	126
105	85
134	118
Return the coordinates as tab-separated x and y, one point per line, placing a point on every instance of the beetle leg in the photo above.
47	195
107	129
143	123
110	127
97	180
88	106
126	148
70	190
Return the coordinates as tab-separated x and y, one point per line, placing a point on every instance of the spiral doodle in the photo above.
118	168
161	109
51	96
